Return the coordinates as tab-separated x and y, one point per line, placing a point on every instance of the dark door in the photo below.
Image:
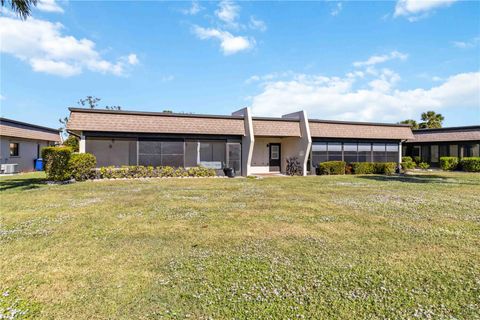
275	156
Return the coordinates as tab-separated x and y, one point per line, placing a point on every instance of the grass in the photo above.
339	247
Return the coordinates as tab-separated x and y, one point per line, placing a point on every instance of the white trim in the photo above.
82	144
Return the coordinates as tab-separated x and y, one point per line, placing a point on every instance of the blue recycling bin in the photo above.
38	164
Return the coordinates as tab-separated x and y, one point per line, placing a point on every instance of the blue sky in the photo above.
367	61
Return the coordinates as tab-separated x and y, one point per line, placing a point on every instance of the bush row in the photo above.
151	172
341	167
387	168
469	164
61	164
410	163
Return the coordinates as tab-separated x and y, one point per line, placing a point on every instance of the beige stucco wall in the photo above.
27	152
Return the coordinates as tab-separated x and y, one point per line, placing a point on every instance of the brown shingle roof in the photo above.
17	129
276	128
447	134
151	122
336	129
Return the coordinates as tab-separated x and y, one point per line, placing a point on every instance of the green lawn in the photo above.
346	247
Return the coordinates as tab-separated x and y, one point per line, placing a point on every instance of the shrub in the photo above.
81	166
470	164
448	163
152	172
200	172
363	167
408	165
417	159
332	167
349	168
72	142
423	165
407	159
387	168
56	161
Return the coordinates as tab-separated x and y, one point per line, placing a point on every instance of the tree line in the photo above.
430	120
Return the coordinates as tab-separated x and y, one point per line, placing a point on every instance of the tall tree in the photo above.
21	7
431	120
413	124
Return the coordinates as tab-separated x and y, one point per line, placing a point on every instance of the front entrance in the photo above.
274	156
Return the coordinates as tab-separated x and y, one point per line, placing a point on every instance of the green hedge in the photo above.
407	159
151	172
470	164
56	162
363	167
387	168
408	165
332	167
448	163
423	165
81	166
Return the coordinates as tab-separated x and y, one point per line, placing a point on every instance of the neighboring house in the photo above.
431	144
21	142
249	144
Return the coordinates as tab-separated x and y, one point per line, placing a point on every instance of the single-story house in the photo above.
21	143
251	145
431	144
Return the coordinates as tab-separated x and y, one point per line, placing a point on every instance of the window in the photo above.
14	149
365	152
212	154
319	153
434	153
334	151
191	154
392	152
443	150
475	150
234	157
379	152
350	152
425	153
161	153
453	150
470	150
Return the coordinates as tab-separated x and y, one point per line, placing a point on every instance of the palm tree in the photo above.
413	124
21	7
431	120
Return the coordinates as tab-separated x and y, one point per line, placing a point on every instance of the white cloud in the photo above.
2	97
229	43
58	68
467	44
373	60
337	9
194	9
42	44
228	12
257	24
377	99
132	59
418	9
49	6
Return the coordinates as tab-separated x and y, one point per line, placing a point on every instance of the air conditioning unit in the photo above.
9	168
